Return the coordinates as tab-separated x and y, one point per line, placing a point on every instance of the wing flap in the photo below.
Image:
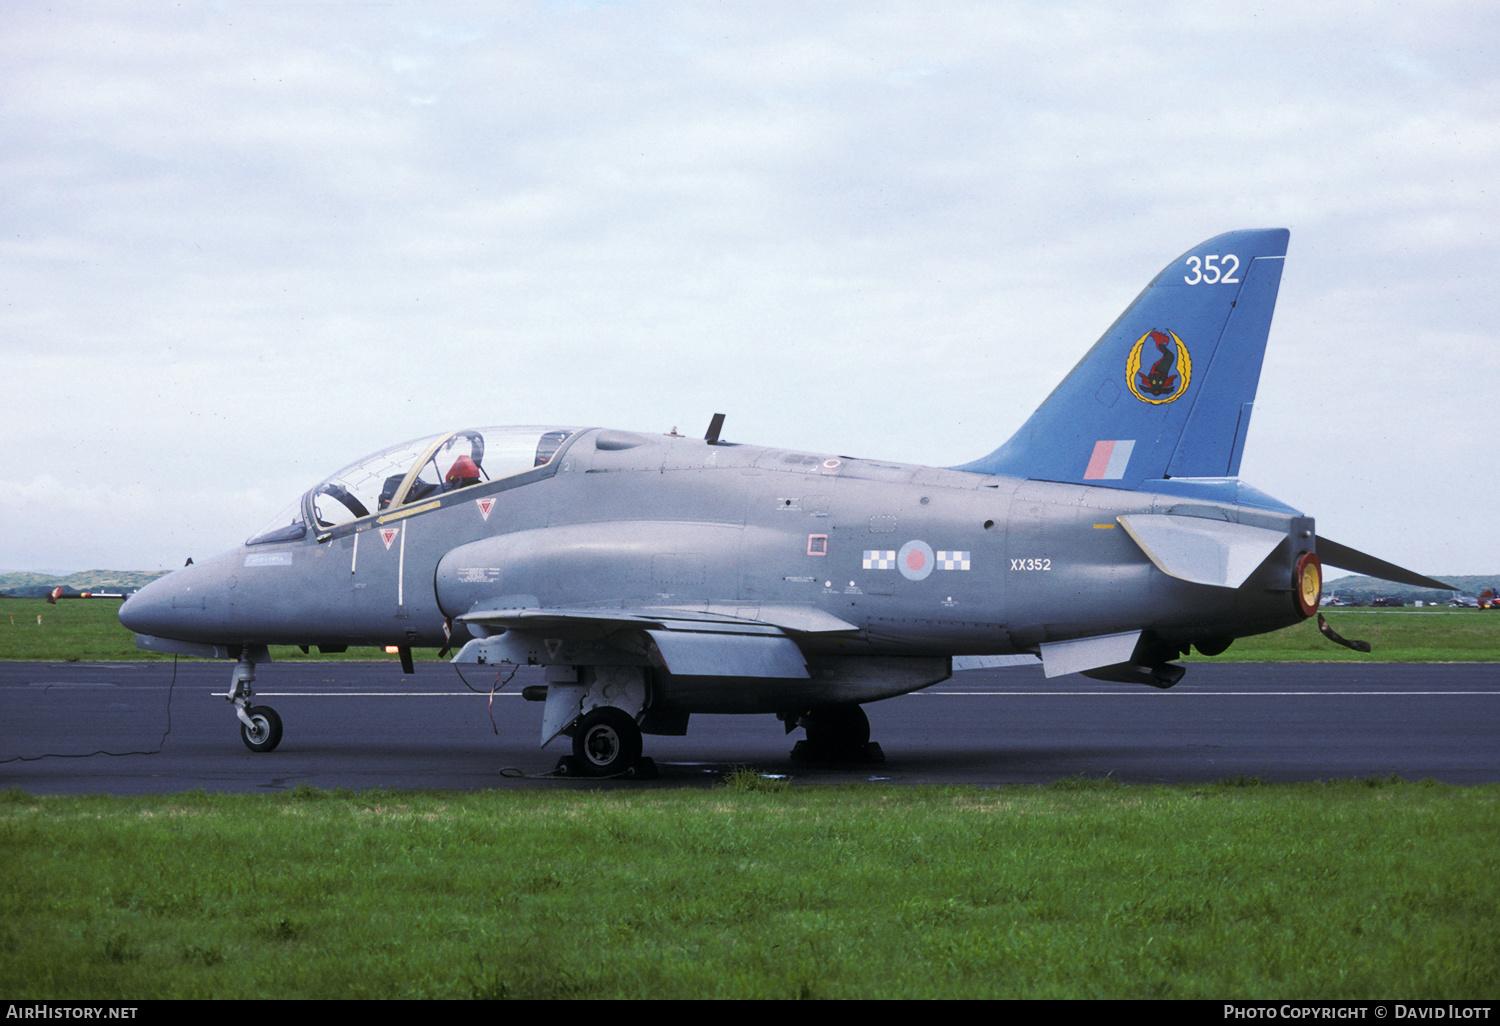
712	654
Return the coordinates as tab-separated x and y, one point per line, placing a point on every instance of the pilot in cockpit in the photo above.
462	474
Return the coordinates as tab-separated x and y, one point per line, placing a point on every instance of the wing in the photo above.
709	641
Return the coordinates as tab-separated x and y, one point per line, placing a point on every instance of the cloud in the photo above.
244	245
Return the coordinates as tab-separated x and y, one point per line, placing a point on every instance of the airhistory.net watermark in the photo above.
43	1010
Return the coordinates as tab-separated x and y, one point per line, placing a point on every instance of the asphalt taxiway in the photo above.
128	728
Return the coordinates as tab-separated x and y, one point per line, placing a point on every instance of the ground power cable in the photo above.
160	744
505	771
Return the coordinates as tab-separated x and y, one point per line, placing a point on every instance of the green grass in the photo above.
88	630
1395	635
1087	889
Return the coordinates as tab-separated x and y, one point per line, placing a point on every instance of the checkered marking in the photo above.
955	560
885	559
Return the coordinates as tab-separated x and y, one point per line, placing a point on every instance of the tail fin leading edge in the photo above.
1167	391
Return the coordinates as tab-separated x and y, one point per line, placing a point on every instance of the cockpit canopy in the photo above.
414	471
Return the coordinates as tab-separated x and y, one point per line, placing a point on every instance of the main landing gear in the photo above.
835	733
600	708
260	727
606	741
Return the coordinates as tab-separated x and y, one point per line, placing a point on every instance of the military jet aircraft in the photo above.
657	576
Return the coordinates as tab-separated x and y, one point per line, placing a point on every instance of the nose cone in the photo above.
152	609
176	606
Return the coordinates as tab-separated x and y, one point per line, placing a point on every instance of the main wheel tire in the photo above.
838	728
267	733
607	741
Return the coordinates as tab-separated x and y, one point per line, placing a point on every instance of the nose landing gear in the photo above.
260	726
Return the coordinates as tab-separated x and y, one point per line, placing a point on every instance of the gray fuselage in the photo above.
919	560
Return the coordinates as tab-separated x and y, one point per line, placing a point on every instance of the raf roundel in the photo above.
915	560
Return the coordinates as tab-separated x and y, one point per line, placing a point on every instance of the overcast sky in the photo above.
246	244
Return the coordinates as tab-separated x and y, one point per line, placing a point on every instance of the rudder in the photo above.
1167	391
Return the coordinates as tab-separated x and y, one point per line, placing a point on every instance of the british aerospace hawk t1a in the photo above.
657	576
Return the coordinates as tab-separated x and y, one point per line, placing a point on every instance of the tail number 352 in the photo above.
1213	269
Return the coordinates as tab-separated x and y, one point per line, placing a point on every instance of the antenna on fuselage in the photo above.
714	427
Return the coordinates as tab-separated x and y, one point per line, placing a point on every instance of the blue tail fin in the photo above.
1167	391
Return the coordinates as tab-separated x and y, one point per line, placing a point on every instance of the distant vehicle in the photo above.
1388	600
61	592
1464	602
1488	600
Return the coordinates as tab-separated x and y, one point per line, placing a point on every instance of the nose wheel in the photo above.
260	727
263	732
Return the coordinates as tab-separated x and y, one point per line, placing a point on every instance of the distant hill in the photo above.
23	584
1366	588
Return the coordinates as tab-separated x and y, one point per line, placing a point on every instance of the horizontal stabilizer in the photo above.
1060	657
1345	558
1199	550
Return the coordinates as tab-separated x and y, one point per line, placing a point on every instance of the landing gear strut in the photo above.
260	727
835	733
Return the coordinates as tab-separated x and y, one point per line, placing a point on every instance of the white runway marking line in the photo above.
1185	694
377	694
917	694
